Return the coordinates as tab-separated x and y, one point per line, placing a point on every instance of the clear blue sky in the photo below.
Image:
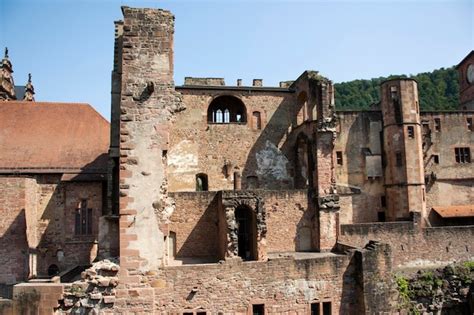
68	45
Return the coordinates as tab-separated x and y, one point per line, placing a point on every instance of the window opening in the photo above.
396	104
383	201
258	309
257	121
201	182
462	155
83	220
339	157
327	308
226	109
436	158
381	216
226	116
470	127
411	132
437	122
315	309
219	117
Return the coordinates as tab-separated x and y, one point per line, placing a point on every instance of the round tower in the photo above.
403	155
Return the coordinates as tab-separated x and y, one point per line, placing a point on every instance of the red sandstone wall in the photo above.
199	147
13	240
283	285
195	222
412	246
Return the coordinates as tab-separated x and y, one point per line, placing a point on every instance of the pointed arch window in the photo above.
226	116
219	117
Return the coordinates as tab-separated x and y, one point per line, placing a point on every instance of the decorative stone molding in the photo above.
231	200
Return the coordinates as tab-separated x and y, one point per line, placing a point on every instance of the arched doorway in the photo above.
247	233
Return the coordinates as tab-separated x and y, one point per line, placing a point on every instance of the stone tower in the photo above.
403	155
147	103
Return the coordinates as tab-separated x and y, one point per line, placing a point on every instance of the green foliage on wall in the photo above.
438	90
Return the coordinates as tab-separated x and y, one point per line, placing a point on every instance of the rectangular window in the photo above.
463	155
469	124
411	132
258	309
381	216
437	123
339	157
327	308
383	201
315	309
436	158
201	313
399	159
83	219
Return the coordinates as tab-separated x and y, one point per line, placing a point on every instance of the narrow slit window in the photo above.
339	157
257	121
411	132
469	124
437	123
83	219
435	158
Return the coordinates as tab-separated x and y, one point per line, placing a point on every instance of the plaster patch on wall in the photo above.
160	62
271	163
183	157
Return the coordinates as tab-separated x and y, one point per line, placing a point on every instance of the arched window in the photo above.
226	109
201	182
226	116
218	115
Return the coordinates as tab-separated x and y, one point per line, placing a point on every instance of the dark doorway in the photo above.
201	182
247	233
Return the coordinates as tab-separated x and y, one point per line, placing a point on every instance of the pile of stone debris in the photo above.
448	290
96	289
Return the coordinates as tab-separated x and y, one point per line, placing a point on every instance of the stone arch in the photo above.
231	109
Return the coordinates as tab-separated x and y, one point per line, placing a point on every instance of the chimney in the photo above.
257	82
239	82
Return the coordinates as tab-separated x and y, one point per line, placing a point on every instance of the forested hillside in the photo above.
438	90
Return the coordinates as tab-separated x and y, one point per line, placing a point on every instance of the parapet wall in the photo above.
413	246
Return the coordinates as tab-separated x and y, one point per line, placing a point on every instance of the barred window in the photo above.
83	224
462	155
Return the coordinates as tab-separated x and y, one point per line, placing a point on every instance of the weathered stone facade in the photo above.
243	199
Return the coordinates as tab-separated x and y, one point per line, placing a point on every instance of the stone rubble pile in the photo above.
95	290
448	290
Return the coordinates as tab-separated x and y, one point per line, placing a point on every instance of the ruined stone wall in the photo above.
13	238
448	182
148	102
359	177
219	150
289	221
413	246
195	222
282	285
41	210
57	204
